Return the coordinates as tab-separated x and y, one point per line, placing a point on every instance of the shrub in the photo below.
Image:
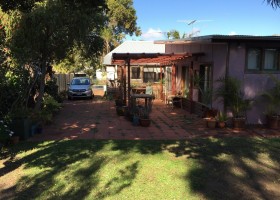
50	105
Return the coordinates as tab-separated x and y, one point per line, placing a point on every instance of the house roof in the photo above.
139	47
150	58
220	38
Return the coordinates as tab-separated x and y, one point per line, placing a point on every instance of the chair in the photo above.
149	90
172	100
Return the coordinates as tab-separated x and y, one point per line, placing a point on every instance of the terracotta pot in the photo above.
278	121
221	124
15	139
145	122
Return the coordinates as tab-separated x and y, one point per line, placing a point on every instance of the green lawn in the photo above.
232	168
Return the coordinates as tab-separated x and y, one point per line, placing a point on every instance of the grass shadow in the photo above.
233	168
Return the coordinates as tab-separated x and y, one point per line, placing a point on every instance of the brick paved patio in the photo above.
97	119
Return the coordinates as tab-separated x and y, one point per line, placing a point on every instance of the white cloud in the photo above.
232	33
153	34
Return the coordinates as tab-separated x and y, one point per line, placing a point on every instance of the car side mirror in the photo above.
68	83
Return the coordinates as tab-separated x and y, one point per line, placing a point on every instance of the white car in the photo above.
80	87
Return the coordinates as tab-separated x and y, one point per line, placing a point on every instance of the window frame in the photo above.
138	76
262	68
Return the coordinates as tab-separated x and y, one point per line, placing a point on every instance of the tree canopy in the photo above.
43	32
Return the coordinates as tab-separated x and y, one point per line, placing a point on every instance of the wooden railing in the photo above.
195	107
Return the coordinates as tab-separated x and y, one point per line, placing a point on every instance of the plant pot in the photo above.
278	121
21	128
211	123
14	139
238	123
135	120
145	122
221	124
272	122
120	110
119	102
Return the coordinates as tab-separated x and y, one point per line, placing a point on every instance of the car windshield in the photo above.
80	81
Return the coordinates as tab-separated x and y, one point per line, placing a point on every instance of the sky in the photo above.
225	17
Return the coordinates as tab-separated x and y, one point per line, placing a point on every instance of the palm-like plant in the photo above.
272	98
274	3
229	90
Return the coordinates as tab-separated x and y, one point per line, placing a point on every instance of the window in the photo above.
254	59
270	58
152	74
135	73
149	77
266	59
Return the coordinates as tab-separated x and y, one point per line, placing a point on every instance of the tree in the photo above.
173	34
52	28
274	3
121	20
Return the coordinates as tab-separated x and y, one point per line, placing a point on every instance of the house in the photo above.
139	72
251	59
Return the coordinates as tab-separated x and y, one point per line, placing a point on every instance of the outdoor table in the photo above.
138	90
147	97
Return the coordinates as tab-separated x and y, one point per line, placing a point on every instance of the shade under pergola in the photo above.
162	59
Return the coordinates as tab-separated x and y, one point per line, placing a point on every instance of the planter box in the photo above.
211	123
21	128
272	122
238	123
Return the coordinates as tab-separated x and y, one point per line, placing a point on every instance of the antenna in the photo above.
191	22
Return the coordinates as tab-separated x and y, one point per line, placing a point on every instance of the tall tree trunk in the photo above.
42	88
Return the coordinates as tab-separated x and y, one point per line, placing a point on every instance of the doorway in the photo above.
205	84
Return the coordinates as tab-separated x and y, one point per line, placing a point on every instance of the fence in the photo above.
62	80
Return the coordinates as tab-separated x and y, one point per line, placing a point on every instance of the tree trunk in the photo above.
42	88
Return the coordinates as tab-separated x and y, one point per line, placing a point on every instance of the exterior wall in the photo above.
215	55
254	84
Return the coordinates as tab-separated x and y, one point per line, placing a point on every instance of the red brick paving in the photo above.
97	119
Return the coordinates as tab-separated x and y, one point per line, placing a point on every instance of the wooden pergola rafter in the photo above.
148	58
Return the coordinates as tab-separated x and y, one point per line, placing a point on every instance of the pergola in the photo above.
161	59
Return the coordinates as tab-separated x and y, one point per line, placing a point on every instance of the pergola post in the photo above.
124	85
191	74
161	84
128	81
173	79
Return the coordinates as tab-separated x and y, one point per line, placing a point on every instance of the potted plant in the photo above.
272	102
229	90
144	118
221	119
